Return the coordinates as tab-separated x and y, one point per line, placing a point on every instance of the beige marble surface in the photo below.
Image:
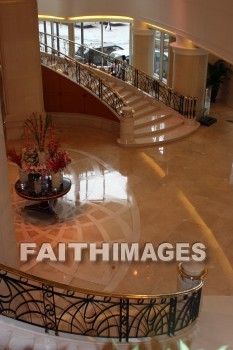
180	192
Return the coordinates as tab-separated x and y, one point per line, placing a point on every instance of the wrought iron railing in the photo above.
60	308
183	104
83	75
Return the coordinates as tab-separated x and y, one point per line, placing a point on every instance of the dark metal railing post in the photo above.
100	88
157	90
45	37
185	107
58	38
172	317
196	305
170	92
135	79
194	108
77	71
124	320
189	109
49	308
181	104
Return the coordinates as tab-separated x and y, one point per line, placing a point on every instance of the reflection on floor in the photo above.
98	208
181	192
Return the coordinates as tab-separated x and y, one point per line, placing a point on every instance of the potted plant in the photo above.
216	74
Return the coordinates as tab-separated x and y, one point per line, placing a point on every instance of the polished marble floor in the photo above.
179	192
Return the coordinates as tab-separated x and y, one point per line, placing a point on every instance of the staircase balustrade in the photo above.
58	308
185	105
81	74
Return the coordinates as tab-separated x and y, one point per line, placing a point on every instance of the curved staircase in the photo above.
154	122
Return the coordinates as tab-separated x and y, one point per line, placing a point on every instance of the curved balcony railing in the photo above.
60	308
183	104
81	74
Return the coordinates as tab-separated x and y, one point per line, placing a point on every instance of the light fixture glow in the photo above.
88	18
51	17
100	17
151	162
210	237
161	29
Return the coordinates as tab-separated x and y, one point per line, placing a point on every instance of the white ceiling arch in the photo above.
208	24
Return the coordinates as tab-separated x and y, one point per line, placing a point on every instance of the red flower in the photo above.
59	160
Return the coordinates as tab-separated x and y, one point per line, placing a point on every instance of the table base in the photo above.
46	207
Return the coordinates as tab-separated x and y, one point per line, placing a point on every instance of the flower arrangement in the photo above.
15	157
30	162
29	159
59	160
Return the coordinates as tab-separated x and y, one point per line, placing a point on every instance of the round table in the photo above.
45	200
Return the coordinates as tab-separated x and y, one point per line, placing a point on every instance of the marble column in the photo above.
71	37
190	274
21	66
143	40
126	126
8	250
190	71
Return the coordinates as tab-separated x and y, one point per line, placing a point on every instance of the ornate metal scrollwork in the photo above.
185	105
81	74
60	308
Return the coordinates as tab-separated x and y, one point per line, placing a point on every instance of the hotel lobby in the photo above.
177	192
180	192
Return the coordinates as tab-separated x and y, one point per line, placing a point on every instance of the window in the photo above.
161	55
104	37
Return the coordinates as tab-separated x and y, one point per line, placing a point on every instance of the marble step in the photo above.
142	103
118	87
149	119
154	122
126	93
166	137
132	99
130	96
158	127
150	109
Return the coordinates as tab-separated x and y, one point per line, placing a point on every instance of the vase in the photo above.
56	180
37	185
45	183
61	177
23	177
